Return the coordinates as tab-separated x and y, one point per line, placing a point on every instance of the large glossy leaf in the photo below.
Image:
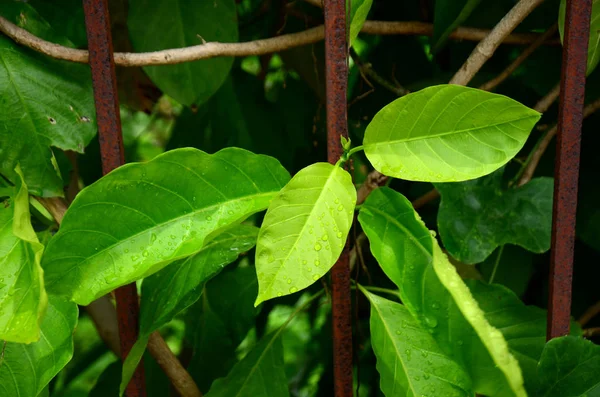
45	103
409	360
225	315
22	295
523	327
162	24
435	294
176	287
569	367
594	42
359	10
448	15
476	217
447	133
140	217
304	230
260	374
26	369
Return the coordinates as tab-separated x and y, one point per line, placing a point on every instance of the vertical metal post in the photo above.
566	173
336	74
104	81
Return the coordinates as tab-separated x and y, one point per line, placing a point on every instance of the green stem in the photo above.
298	310
378	289
496	265
354	150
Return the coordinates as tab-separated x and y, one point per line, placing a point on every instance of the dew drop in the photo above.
426	376
412	267
309	269
398	333
293	289
270	259
324	238
145	254
340	208
339	234
460	342
433	234
337	201
289	281
317	262
230	212
318	247
304	262
153	237
435	305
279	294
417	378
209	218
316	277
431	322
408	354
126	250
134	257
173	236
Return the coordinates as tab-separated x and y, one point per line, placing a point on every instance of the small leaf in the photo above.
176	287
569	367
447	133
25	370
594	42
260	374
141	217
359	10
448	15
162	24
435	295
408	358
304	230
476	217
23	298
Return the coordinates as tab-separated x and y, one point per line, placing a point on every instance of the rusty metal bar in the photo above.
106	98
566	173
336	75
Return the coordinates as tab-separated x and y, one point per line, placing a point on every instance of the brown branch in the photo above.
543	144
486	48
590	313
180	378
591	332
373	181
104	316
493	83
257	47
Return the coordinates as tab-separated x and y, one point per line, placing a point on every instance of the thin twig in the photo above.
493	83
590	313
486	48
591	332
366	70
104	316
544	142
548	99
257	47
426	198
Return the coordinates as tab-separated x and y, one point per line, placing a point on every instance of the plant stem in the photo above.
496	263
354	150
388	291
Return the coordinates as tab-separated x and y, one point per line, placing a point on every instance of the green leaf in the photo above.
408	358
176	287
47	103
523	327
23	298
447	133
226	314
359	10
141	217
162	24
304	230
476	217
569	367
26	369
594	42
433	292
260	374
448	15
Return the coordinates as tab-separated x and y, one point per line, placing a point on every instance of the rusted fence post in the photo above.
336	75
566	173
104	81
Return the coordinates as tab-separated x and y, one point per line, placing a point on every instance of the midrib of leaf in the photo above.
158	225
442	134
396	349
569	373
477	320
260	358
310	215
